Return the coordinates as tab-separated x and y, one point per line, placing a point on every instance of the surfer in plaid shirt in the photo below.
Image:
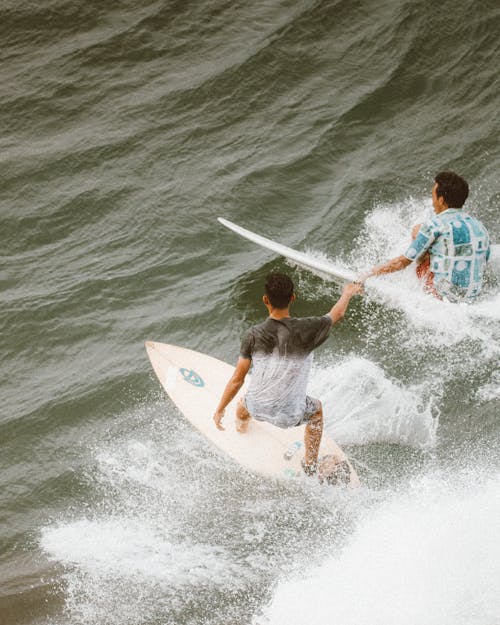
451	249
280	352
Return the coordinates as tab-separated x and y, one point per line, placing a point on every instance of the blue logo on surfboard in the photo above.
192	377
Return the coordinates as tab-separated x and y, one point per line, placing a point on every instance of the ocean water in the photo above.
126	129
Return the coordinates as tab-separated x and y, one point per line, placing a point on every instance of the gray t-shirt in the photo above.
281	354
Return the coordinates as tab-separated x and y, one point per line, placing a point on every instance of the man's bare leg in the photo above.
242	417
312	439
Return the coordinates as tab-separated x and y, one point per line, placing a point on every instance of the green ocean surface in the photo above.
127	129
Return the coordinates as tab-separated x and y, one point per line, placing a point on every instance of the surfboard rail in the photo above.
324	267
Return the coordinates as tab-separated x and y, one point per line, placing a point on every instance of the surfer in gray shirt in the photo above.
280	351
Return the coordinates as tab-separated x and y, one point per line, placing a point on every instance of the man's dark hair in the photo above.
452	188
279	289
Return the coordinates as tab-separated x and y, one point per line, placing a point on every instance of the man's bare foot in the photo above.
333	470
242	418
242	425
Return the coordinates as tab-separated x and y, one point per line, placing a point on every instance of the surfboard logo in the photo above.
192	377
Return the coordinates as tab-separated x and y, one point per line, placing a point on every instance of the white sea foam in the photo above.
491	390
135	461
386	233
147	549
127	548
430	556
362	405
446	323
118	567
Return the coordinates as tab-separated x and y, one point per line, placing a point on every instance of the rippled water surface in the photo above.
126	130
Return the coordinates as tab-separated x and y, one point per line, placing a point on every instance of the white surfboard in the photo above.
195	382
323	268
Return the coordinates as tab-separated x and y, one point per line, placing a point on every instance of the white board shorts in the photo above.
313	406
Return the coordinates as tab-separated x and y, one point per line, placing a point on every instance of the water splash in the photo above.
125	548
362	405
430	556
386	234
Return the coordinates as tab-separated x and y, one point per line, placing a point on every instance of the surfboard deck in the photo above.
195	382
323	268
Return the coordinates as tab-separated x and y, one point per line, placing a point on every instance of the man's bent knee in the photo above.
316	419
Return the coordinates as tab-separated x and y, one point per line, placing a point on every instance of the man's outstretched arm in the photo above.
423	235
395	264
232	387
338	310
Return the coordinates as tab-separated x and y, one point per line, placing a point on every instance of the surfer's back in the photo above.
281	354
